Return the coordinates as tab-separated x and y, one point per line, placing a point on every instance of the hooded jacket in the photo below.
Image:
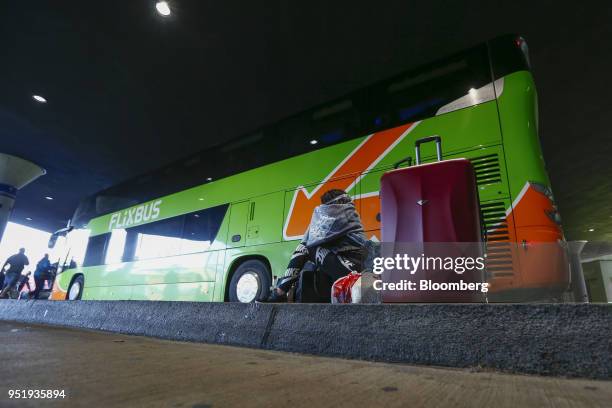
336	226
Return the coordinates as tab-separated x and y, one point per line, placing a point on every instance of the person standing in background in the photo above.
40	275
22	282
17	262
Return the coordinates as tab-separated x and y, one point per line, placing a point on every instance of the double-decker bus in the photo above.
221	225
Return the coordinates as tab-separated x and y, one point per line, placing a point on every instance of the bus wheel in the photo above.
250	282
75	291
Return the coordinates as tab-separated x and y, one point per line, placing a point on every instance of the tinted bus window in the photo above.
326	125
509	54
157	239
201	228
420	94
253	150
184	234
94	255
115	246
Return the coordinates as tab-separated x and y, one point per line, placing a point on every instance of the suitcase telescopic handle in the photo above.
418	143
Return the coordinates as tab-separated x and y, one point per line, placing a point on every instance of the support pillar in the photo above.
15	173
578	284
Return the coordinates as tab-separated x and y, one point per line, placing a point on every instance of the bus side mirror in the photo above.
59	233
52	240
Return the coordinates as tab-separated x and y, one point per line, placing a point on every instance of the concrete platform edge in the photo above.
546	339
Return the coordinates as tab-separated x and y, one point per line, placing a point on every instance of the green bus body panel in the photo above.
194	291
261	198
518	111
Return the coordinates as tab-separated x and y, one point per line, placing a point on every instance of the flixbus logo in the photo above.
135	215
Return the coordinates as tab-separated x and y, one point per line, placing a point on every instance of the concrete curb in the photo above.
563	340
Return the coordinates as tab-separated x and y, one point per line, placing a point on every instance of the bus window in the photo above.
94	254
158	239
115	246
295	134
327	125
335	122
77	243
509	54
201	228
420	94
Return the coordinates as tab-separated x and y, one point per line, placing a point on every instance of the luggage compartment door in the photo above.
265	219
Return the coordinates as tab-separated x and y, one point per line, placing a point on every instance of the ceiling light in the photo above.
591	229
163	8
28	218
314	142
39	98
208	178
48	198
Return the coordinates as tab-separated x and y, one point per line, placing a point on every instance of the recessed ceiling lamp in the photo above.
48	198
591	229
208	178
314	142
163	8
39	99
28	218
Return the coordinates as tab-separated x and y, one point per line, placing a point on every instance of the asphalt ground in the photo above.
101	369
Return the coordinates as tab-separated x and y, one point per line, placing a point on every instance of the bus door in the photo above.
236	235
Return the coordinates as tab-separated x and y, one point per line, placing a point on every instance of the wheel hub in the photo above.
74	291
247	287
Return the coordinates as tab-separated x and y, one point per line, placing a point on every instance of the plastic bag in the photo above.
342	288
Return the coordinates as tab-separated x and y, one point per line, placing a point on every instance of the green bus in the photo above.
222	224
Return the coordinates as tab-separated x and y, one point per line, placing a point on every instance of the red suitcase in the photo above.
432	210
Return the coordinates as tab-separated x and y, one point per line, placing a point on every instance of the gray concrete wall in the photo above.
564	340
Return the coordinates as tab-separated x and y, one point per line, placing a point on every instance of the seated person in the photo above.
334	242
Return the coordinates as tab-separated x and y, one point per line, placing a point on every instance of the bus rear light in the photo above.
521	44
519	41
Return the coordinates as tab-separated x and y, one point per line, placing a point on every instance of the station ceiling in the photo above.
128	90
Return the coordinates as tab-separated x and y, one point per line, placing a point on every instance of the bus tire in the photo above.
250	282
75	290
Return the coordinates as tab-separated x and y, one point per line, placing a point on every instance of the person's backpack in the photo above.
312	287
